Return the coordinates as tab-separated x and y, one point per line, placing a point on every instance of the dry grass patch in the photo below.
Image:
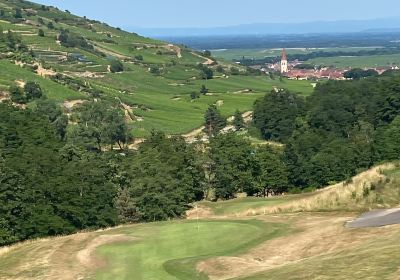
317	235
357	194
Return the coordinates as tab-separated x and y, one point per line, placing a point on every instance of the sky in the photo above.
212	13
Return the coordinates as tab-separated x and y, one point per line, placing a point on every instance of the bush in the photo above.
40	33
50	25
206	73
32	91
17	95
116	66
18	13
155	70
203	90
358	73
194	95
366	191
234	71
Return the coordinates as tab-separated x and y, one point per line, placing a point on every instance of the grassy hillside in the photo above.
157	81
372	189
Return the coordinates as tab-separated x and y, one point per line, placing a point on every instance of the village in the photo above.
293	70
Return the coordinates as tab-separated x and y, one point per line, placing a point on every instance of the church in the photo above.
284	62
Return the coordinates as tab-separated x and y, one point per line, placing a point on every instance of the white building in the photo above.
284	62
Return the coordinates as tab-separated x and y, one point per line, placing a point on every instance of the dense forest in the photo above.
341	128
58	179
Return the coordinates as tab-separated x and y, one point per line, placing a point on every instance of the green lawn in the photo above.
171	250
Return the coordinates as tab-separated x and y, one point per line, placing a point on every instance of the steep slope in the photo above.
157	82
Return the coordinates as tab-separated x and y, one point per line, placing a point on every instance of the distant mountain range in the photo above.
381	25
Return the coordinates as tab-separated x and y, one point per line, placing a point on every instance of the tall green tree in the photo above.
387	143
276	115
238	120
214	122
99	124
270	173
233	160
33	91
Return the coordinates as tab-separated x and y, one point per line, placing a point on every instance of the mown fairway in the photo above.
171	250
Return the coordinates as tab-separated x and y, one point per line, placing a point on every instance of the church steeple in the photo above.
284	62
284	55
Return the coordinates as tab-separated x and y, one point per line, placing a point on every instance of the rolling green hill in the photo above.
73	56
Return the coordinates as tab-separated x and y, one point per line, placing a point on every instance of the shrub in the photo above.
50	25
18	13
234	71
366	192
194	95
32	91
17	95
116	66
40	33
203	90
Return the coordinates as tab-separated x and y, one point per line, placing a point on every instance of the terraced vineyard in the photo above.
157	82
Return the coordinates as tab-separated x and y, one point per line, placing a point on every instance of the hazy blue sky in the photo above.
208	13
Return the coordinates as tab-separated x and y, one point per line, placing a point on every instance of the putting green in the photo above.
171	250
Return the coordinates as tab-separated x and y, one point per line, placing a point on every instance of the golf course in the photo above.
291	237
124	157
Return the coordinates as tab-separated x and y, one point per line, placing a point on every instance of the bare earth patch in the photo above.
316	236
207	61
86	256
70	104
63	258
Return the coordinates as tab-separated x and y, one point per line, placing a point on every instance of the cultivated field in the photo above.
292	237
358	61
369	61
231	54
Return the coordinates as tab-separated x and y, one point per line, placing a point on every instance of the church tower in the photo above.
284	62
